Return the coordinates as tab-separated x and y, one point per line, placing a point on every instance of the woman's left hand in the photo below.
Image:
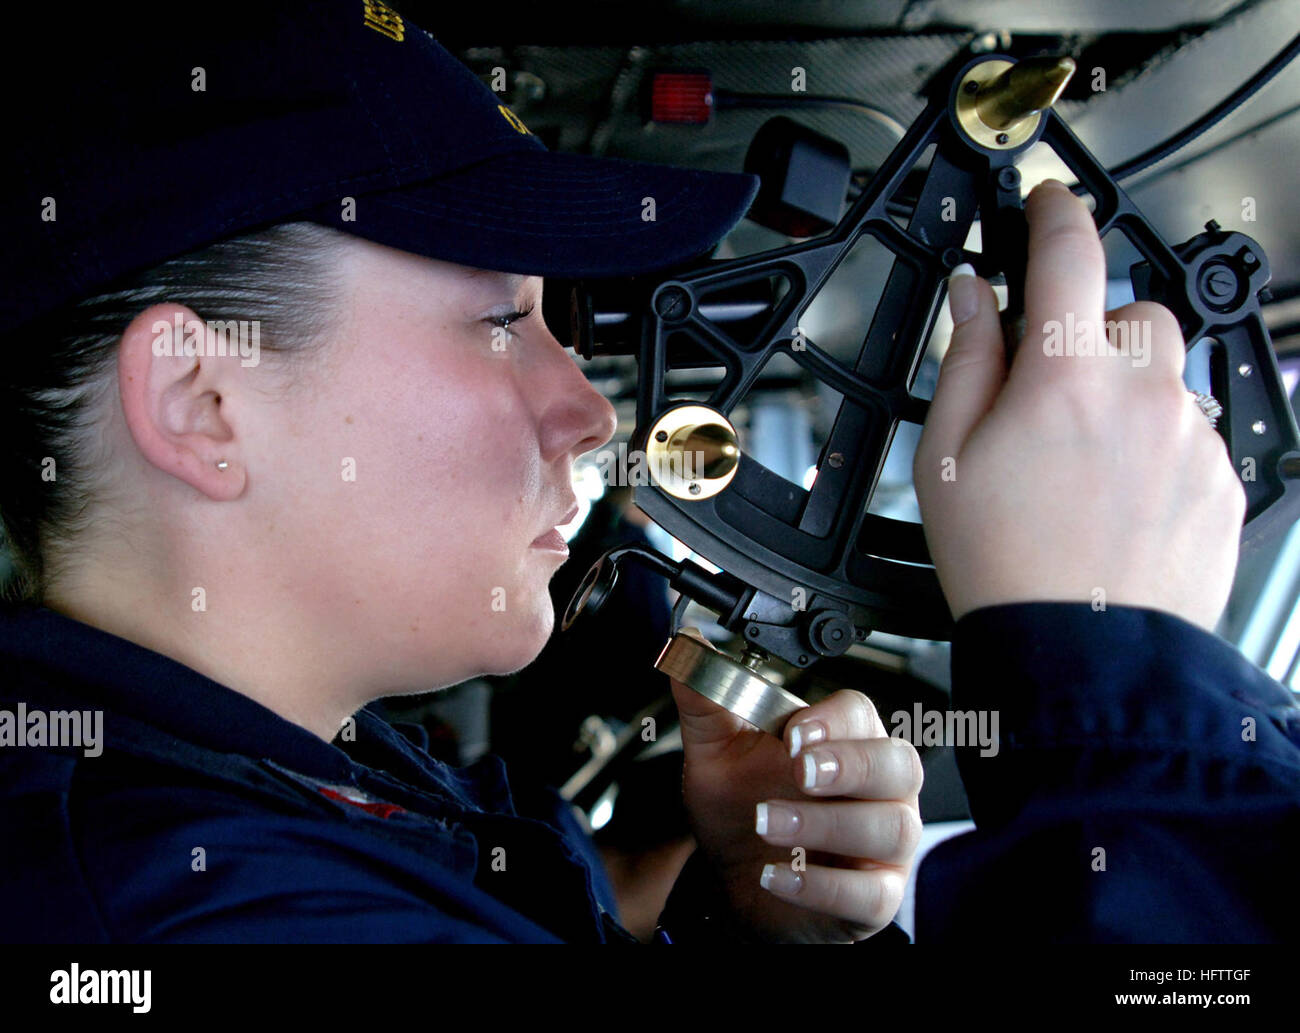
835	857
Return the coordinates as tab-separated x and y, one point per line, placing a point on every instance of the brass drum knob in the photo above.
692	452
692	660
999	104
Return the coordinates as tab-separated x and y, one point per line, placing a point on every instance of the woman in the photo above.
236	552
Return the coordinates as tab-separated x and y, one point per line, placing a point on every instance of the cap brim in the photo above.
548	213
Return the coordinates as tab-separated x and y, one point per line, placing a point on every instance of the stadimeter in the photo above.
806	573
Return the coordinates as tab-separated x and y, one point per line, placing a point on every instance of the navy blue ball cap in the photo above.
147	130
554	214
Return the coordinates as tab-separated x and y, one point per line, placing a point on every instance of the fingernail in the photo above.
963	293
780	879
776	820
819	768
806	734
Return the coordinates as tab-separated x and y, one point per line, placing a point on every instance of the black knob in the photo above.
831	633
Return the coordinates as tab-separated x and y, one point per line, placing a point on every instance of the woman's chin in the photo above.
521	645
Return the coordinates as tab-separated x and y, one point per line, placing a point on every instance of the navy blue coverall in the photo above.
209	818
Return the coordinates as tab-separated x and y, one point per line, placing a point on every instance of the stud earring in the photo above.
222	465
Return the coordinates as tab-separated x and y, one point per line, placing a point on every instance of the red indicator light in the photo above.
682	98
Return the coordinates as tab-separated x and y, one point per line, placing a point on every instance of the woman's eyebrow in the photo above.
512	281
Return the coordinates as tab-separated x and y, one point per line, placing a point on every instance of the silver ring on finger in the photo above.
1210	406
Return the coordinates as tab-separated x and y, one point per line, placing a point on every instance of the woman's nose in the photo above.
577	418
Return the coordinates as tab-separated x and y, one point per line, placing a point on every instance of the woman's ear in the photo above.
171	380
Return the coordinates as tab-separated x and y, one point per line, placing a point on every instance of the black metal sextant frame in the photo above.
848	570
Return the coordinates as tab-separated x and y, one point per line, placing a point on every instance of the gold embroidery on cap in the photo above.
513	119
382	18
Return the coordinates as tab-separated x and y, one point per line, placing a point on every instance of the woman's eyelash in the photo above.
504	321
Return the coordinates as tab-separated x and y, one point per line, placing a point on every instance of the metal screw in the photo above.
972	87
693	488
835	460
1003	138
1245	369
753	659
673	303
661	436
1009	178
1258	427
1217	284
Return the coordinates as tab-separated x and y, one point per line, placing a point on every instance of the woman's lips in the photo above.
551	540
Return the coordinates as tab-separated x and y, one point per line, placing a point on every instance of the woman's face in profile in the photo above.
462	434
